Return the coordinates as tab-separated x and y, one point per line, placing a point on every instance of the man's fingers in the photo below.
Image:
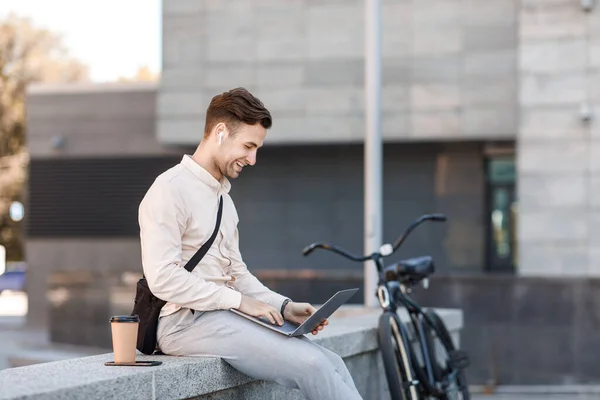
270	317
278	317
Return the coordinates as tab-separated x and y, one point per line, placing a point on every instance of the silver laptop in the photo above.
291	329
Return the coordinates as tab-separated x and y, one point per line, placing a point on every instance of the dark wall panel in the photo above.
90	197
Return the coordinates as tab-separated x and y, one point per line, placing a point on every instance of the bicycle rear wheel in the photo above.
393	342
448	362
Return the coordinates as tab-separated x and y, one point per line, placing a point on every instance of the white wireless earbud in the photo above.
220	137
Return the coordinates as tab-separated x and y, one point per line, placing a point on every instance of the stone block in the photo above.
540	191
175	104
563	258
184	26
595	127
432	40
395	126
396	25
552	89
182	79
289	20
594	260
280	75
432	97
336	72
216	5
556	123
539	226
283	100
594	148
288	129
337	17
282	49
550	21
594	54
564	156
492	37
324	45
182	7
594	222
335	30
594	87
553	57
501	63
395	98
352	335
180	130
437	124
492	122
234	49
489	12
437	12
218	76
594	191
594	24
395	71
445	69
231	24
341	100
317	129
481	92
180	52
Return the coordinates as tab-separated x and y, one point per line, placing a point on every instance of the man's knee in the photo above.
314	362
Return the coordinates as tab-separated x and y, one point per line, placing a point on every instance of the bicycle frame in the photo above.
393	293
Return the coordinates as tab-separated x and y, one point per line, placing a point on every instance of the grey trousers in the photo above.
258	352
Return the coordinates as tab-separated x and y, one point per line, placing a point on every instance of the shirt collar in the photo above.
199	172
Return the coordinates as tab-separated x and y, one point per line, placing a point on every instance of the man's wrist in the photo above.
284	304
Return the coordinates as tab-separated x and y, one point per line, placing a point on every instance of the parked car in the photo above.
13	279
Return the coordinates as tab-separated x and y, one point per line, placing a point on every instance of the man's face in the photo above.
239	150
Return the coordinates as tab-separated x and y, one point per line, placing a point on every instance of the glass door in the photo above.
501	214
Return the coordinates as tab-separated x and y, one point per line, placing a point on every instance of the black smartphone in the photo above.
133	364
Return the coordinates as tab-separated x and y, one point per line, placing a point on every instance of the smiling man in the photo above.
177	216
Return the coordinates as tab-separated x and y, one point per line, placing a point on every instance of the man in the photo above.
177	216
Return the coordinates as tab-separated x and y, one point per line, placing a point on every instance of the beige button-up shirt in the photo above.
177	216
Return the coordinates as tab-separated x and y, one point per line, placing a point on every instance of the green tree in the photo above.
28	54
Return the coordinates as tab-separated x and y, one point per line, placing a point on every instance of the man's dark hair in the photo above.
234	107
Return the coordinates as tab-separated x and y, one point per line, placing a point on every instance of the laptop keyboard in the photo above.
287	327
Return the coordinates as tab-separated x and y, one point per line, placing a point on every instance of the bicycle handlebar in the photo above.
328	246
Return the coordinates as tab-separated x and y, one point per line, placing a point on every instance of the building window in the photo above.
501	213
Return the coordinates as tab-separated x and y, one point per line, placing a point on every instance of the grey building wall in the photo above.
96	121
449	67
297	195
558	168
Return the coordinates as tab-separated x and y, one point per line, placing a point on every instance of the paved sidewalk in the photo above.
21	345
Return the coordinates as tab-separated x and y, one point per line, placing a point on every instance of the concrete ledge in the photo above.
352	334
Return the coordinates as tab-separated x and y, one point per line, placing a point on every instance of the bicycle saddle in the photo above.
412	269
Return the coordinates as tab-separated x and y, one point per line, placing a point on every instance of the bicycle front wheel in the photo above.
393	342
448	362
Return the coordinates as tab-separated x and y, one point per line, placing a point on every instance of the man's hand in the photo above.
299	312
257	308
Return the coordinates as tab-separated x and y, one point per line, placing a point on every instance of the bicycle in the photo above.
414	371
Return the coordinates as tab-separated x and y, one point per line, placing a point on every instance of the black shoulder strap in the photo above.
191	264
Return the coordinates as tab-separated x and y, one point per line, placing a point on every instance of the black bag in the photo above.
147	306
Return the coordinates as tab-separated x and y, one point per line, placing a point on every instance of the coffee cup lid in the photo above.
125	318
